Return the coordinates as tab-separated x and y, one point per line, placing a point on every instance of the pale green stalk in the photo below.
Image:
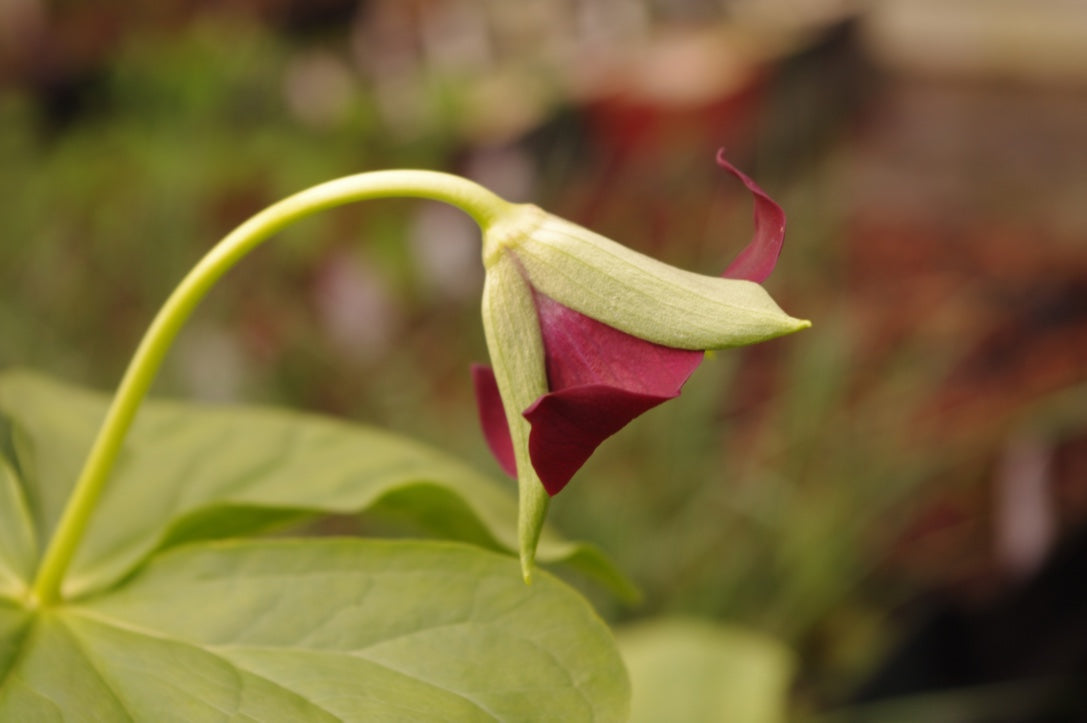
479	203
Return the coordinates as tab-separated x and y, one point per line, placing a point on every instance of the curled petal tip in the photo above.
760	256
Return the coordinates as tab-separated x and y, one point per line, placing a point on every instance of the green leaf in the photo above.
692	671
189	472
443	513
13	624
321	629
18	549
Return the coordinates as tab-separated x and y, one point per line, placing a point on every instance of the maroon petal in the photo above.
759	257
600	379
492	417
569	425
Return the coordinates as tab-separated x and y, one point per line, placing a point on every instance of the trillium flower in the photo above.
585	334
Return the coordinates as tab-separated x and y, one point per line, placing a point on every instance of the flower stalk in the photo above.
479	203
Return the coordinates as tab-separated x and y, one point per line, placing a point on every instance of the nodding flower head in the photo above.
585	334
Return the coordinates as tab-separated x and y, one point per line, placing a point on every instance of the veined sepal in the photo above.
512	330
645	297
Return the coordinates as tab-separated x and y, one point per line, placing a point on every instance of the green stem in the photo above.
479	203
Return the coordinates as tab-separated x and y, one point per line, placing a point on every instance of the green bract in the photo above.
632	292
516	349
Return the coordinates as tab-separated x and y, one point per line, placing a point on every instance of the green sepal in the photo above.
512	330
639	295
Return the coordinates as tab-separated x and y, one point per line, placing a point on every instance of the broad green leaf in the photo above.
700	672
191	472
321	630
14	621
441	512
18	549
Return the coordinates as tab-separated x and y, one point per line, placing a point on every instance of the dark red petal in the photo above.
600	379
759	257
581	350
492	417
568	426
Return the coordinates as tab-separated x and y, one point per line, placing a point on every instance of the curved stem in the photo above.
479	203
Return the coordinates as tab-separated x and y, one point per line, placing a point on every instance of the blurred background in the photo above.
897	497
